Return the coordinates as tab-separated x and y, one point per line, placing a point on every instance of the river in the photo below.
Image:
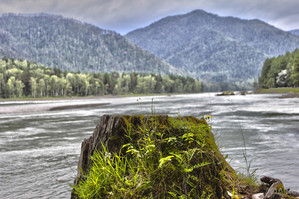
39	148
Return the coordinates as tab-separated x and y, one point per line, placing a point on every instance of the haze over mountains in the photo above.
212	47
72	45
200	44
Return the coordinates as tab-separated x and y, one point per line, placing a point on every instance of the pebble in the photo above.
258	196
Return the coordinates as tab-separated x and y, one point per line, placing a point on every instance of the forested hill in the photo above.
281	71
74	46
19	78
214	47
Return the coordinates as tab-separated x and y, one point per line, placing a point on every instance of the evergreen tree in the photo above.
281	71
264	75
133	77
295	71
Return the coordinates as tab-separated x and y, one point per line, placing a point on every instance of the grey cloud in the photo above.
125	15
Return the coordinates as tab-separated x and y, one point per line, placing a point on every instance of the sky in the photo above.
123	16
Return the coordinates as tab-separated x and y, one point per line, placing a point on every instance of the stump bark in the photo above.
109	132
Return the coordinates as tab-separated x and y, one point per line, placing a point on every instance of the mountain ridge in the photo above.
200	44
208	35
73	45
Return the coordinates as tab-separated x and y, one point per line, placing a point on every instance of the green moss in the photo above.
163	158
228	92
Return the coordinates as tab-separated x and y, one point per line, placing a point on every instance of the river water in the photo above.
39	148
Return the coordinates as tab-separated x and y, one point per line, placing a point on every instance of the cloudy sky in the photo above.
125	15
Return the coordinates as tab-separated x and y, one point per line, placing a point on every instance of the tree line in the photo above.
21	78
281	71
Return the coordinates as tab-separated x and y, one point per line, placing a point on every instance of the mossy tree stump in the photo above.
169	157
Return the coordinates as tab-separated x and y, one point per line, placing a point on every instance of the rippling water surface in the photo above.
39	149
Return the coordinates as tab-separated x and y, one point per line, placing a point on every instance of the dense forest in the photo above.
54	40
281	71
214	48
19	78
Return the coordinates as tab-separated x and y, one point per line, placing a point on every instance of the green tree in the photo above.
150	83
107	83
62	84
41	88
178	85
26	80
71	80
141	86
85	84
98	87
11	85
295	71
47	85
264	75
2	85
53	85
113	83
159	84
19	88
168	84
33	85
125	83
133	77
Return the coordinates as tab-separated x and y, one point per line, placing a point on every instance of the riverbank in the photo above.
26	105
288	92
277	90
88	97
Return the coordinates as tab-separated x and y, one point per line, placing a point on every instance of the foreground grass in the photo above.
164	158
278	90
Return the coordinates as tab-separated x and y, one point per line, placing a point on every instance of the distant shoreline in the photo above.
21	99
284	90
26	105
58	108
87	97
287	92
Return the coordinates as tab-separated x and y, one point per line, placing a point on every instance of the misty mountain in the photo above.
295	32
213	47
72	45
